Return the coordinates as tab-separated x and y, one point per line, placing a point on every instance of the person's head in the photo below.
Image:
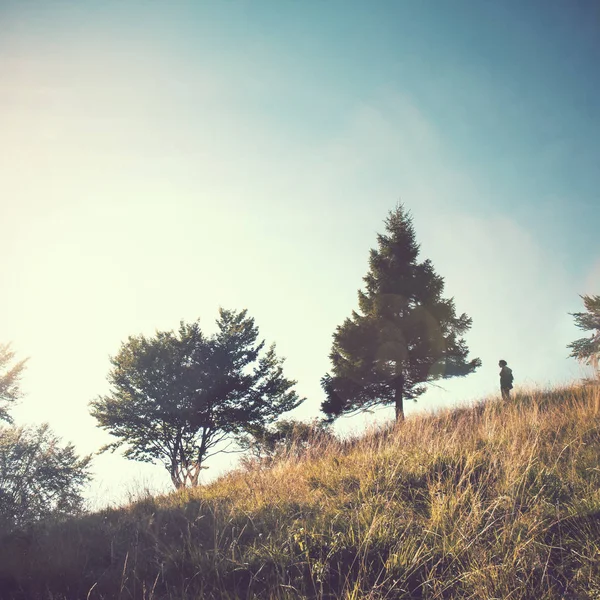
502	363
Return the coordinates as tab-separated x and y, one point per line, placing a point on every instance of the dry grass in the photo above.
501	500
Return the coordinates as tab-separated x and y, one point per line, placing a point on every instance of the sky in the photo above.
159	160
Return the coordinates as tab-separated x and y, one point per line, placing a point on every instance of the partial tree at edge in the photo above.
10	379
587	350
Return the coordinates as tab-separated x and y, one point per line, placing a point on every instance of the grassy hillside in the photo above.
495	501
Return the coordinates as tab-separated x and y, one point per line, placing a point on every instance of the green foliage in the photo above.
176	397
39	478
10	376
587	350
404	335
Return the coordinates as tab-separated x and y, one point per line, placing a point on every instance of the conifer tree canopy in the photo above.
10	378
404	334
587	350
176	396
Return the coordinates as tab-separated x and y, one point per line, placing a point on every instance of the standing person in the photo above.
506	379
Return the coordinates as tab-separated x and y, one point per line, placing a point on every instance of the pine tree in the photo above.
10	378
404	335
587	350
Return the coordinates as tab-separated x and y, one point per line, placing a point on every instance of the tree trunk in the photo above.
399	397
175	477
201	453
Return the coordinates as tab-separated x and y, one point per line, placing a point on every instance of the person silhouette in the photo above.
506	379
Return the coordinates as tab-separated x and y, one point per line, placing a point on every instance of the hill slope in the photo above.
495	501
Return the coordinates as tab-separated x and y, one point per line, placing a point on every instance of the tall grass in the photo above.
499	500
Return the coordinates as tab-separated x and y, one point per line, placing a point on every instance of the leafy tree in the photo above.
404	335
587	350
38	477
10	377
285	437
176	396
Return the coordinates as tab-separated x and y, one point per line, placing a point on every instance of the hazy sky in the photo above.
159	159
